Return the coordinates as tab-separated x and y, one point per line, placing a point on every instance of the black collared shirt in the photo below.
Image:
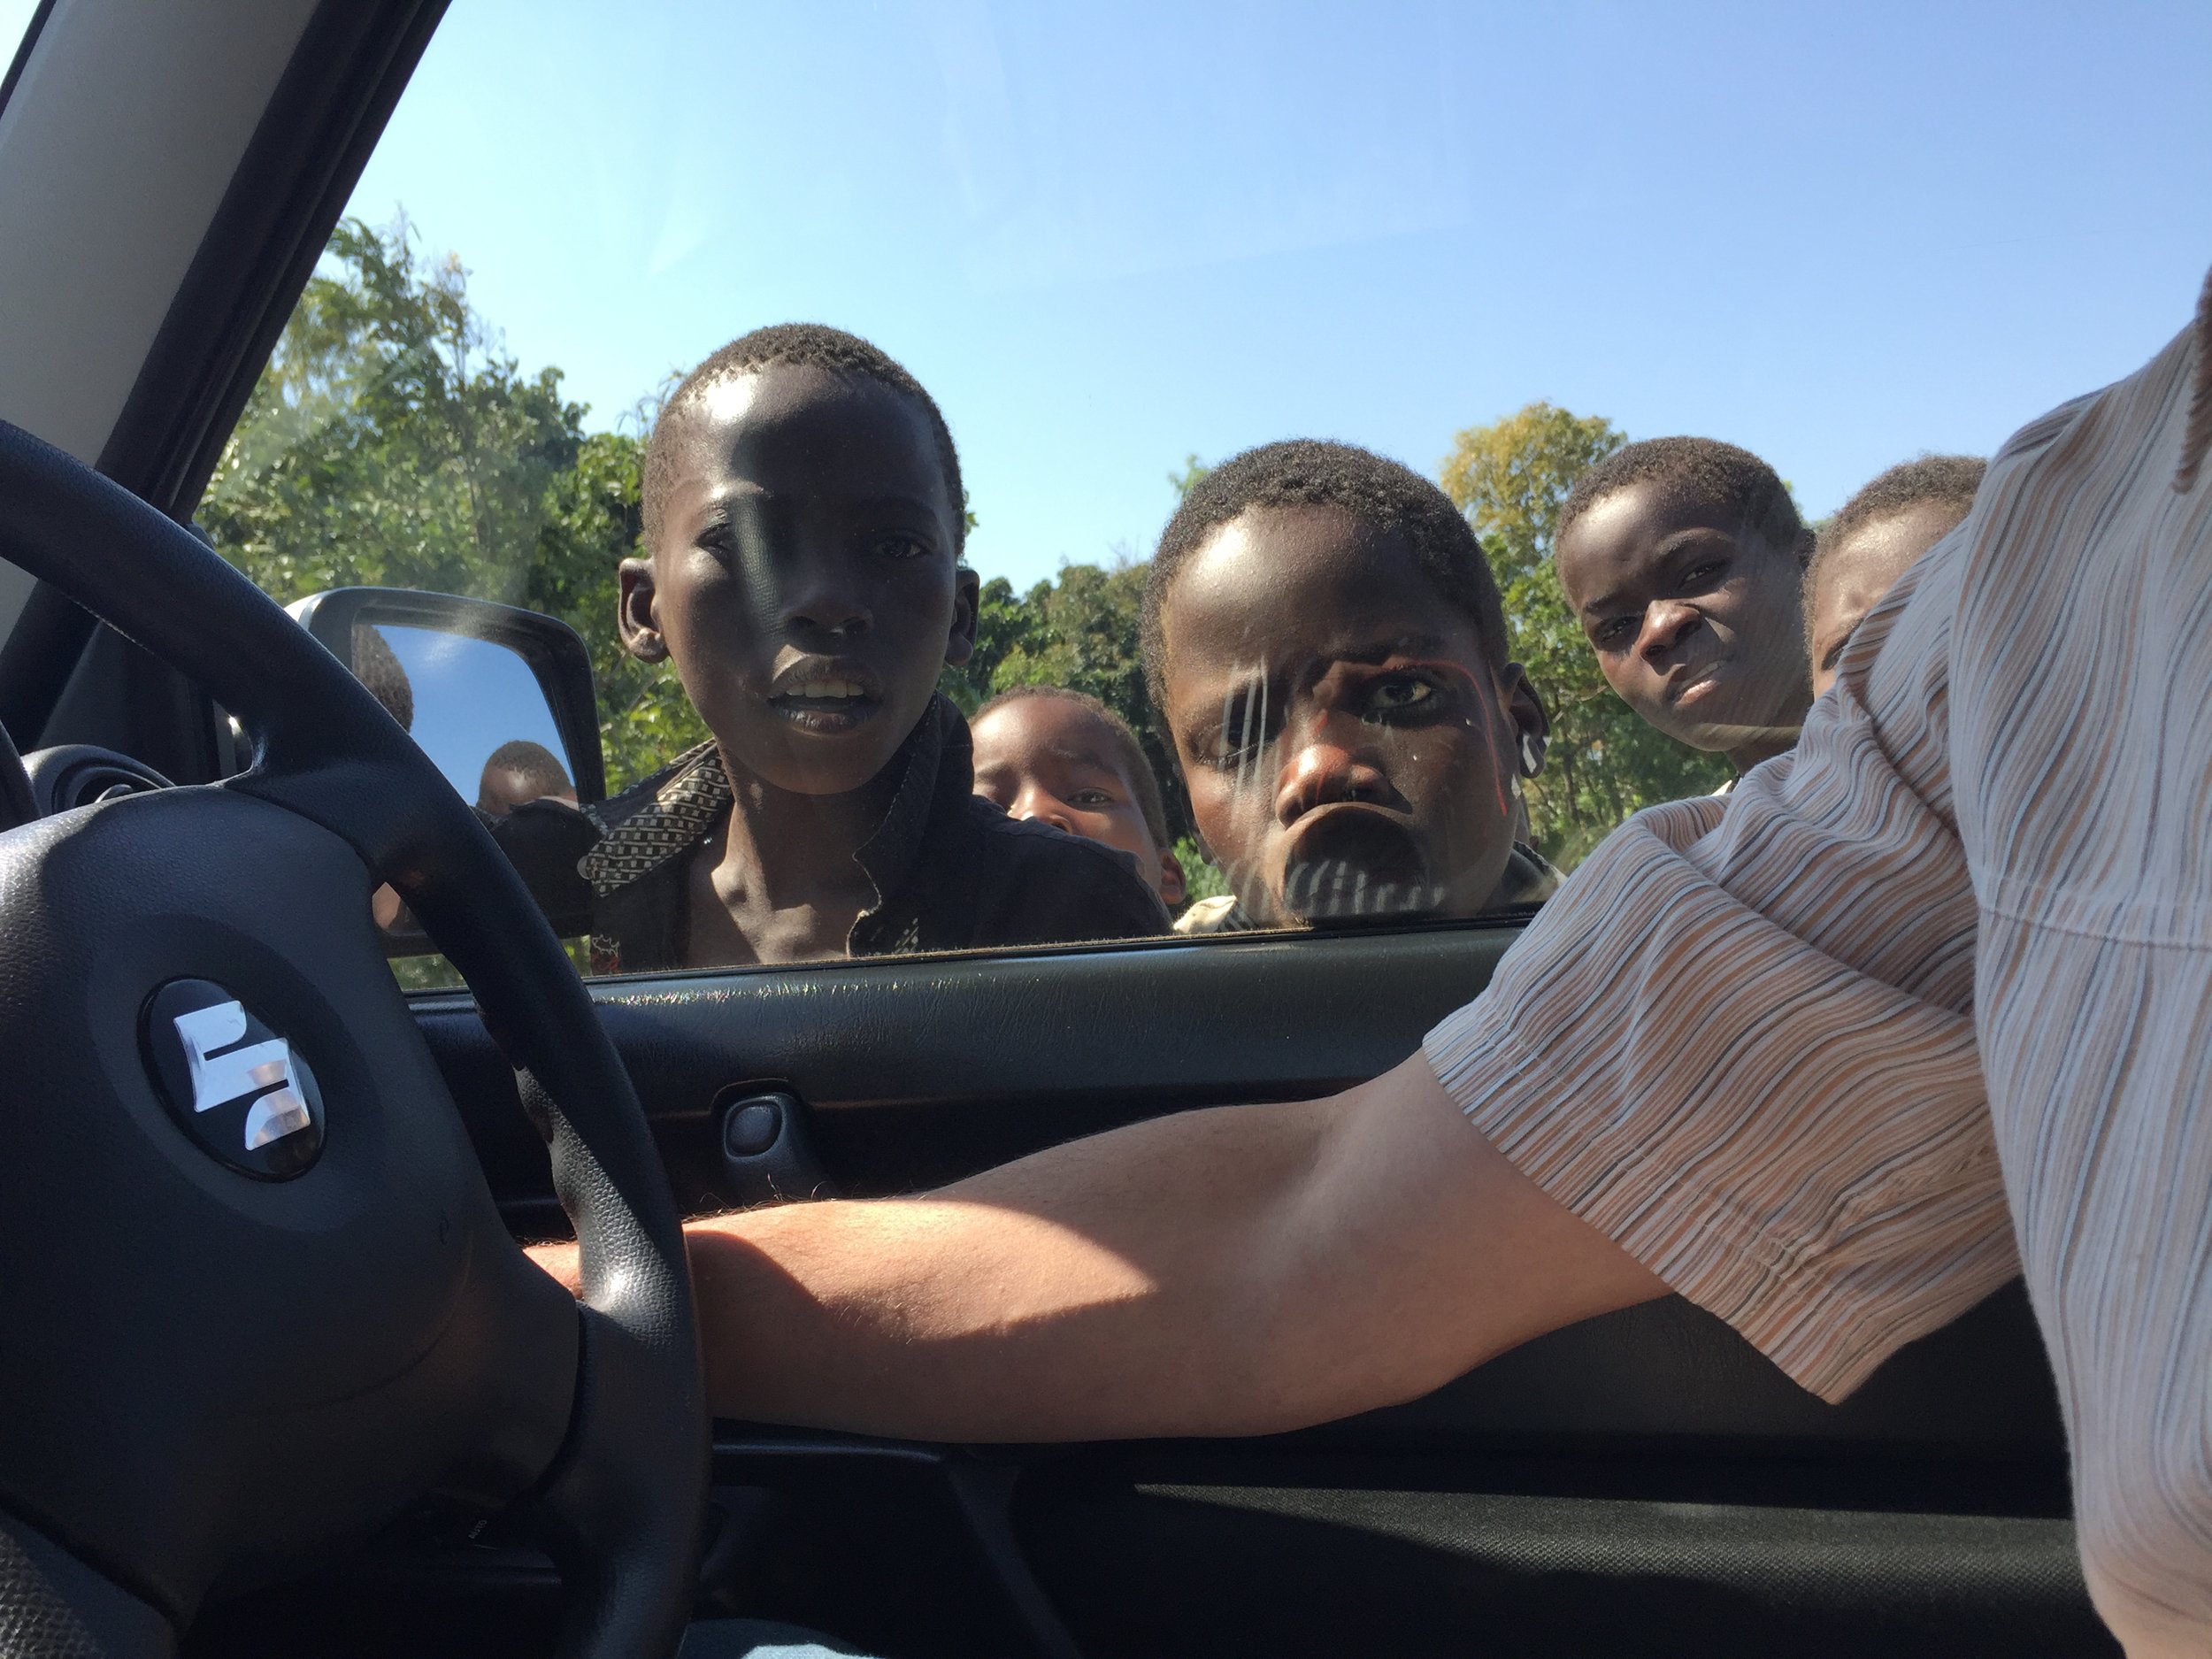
950	871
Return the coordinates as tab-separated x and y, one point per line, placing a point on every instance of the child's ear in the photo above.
1173	885
967	589
633	614
1531	724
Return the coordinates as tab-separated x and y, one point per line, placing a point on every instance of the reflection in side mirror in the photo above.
499	698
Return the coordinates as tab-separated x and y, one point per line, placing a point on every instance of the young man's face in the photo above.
804	578
1859	570
1348	748
1054	760
1696	621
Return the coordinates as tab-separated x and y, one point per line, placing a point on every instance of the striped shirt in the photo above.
1927	1004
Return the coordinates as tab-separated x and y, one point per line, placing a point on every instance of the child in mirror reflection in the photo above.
519	773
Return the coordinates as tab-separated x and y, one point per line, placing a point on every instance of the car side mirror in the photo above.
499	698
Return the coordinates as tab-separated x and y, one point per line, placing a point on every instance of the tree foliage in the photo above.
392	441
1511	478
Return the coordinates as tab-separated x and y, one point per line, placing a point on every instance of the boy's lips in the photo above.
825	695
1352	858
1696	685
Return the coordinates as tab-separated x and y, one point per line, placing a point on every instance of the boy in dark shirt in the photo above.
1324	635
803	517
1682	558
1063	756
1872	540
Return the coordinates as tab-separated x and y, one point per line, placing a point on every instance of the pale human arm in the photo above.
1231	1272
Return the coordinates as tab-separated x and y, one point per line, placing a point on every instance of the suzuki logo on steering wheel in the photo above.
226	1067
237	1087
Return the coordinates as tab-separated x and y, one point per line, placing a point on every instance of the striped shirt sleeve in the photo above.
1739	1042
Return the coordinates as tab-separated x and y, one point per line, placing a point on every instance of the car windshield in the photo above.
1180	452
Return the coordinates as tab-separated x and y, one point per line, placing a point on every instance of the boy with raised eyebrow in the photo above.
1326	642
803	522
1682	558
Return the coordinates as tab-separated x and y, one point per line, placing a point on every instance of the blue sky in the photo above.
471	696
1109	236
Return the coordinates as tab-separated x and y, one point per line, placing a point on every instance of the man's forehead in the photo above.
1629	532
814	457
1053	728
1309	585
1301	659
1087	758
785	411
768	390
1306	539
1867	564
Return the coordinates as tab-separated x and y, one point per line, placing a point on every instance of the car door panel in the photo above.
920	1069
1641	1482
1229	1571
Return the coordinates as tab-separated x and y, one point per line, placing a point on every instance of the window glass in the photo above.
1310	322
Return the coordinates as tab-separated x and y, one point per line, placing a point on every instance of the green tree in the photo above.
1511	478
1006	622
392	441
1186	478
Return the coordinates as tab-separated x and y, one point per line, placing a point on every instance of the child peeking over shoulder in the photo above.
1322	633
1683	559
1871	540
803	521
1064	758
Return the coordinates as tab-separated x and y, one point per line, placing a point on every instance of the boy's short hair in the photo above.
1141	778
1939	481
1694	469
1379	493
813	345
377	665
534	764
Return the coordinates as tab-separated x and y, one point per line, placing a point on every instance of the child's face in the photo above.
1051	759
1696	621
1859	570
1348	748
805	581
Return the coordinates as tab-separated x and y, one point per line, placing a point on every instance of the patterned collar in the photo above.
679	806
684	801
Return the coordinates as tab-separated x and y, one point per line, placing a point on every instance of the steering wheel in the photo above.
255	1297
